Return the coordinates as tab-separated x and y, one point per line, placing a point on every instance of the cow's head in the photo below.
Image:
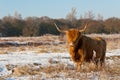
72	34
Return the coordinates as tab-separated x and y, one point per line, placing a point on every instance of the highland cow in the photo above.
83	48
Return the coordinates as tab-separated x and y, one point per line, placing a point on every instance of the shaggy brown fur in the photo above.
82	48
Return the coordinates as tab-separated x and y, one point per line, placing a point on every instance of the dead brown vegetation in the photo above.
111	71
62	71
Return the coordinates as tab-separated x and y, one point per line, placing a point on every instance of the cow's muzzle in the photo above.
71	44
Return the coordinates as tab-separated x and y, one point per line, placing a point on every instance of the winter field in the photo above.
47	58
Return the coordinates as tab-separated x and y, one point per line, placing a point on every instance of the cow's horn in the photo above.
59	28
83	28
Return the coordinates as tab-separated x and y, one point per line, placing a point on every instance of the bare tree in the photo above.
89	15
72	15
31	28
99	17
17	15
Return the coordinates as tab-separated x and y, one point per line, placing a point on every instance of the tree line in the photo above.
37	26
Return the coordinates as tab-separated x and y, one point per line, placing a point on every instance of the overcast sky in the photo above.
59	8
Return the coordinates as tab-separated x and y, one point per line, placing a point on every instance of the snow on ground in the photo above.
30	57
115	52
26	57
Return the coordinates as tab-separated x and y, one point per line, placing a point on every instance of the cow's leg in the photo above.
99	63
78	66
80	63
102	61
82	56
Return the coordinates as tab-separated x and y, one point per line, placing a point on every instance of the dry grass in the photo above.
1	52
54	43
25	70
113	44
61	70
58	70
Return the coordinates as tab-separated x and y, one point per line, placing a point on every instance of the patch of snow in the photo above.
26	57
115	52
4	71
30	57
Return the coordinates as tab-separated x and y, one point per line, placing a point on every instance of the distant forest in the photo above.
37	26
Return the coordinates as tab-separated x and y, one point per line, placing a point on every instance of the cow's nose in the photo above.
71	44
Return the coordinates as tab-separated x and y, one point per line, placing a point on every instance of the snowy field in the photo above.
31	58
31	64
